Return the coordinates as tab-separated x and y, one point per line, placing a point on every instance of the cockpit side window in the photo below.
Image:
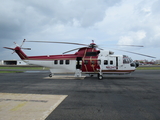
126	60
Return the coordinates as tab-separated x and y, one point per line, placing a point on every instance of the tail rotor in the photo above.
22	45
18	46
18	50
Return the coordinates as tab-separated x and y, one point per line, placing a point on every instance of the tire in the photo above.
100	77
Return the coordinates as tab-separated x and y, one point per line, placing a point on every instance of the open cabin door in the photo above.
89	60
79	63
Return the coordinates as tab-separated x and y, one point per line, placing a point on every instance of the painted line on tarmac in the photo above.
64	77
28	106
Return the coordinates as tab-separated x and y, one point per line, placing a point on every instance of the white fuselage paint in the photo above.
55	68
114	63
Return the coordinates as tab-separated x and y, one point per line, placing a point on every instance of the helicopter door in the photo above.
116	62
79	63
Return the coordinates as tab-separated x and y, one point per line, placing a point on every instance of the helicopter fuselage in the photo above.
87	60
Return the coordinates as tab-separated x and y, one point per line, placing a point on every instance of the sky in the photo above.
108	22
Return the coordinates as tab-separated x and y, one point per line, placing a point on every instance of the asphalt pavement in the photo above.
124	97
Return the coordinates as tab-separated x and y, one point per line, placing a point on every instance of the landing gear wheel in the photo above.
50	75
100	77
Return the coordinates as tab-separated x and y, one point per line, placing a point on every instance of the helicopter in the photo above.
89	59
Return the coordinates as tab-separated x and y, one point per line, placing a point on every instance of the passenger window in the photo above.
105	62
111	62
61	62
86	62
55	62
67	62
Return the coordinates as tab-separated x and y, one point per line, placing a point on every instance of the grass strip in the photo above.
11	71
148	68
32	68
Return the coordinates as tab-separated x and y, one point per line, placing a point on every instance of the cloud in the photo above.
133	38
21	18
134	21
105	21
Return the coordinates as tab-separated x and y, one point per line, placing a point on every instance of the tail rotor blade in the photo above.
9	48
16	44
13	52
22	43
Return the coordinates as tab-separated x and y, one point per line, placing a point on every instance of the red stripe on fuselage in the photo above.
118	71
53	57
112	71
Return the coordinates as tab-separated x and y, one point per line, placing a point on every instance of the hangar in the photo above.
12	62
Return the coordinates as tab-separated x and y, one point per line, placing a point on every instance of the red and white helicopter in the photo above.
86	60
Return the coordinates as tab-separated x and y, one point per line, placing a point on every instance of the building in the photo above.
158	62
12	62
1	62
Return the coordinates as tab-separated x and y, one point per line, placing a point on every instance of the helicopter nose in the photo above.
134	64
137	64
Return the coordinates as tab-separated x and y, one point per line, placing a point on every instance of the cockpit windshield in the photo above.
126	59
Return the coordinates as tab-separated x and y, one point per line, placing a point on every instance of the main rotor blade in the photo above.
132	45
100	48
136	53
71	50
126	45
59	42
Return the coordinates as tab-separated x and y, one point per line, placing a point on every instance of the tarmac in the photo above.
32	95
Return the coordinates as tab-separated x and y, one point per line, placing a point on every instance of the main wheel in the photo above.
100	77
